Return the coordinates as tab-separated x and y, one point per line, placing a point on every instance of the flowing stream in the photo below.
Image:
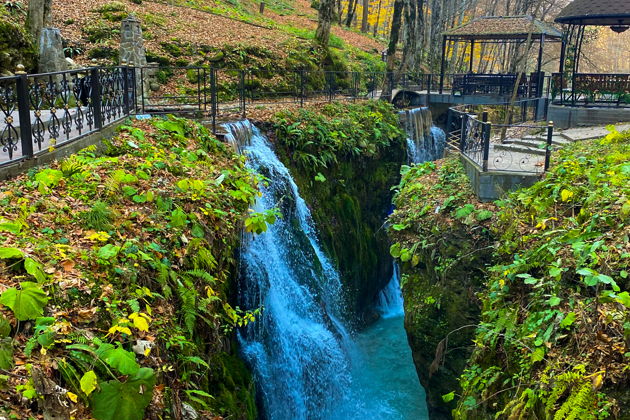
305	361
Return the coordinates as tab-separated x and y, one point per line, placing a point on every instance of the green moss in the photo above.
98	32
103	52
235	387
113	6
16	46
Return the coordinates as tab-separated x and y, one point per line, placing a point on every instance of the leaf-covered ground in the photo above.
212	25
115	270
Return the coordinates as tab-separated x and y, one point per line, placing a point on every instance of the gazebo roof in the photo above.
596	12
504	28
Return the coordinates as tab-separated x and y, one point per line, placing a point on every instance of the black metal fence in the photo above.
592	90
41	111
502	138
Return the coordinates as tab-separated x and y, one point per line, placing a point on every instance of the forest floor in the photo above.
95	23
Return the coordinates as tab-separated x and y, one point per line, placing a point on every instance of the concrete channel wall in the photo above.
490	186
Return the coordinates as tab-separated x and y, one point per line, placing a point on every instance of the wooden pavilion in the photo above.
503	30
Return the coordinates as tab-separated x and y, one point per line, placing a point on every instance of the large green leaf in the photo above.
26	303
88	382
108	251
172	126
12	227
6	353
10	253
124	400
35	269
122	360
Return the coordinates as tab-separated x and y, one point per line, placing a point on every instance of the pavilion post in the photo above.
443	64
563	52
539	87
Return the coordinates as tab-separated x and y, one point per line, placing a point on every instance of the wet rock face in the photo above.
51	56
441	313
349	210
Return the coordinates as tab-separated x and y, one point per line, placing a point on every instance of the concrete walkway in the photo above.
527	153
587	133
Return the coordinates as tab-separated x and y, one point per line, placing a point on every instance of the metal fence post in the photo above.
205	90
242	92
464	131
549	145
125	74
213	98
24	112
302	88
95	85
449	122
487	129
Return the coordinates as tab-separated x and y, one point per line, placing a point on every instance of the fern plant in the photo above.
99	217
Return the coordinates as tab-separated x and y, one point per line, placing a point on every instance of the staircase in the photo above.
534	145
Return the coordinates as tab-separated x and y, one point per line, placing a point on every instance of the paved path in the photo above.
587	133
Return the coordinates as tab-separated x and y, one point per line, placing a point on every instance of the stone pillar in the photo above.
51	56
132	53
131	43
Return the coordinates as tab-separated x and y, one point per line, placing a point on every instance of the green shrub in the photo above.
113	6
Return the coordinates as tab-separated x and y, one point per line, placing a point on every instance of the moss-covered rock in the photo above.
16	46
440	236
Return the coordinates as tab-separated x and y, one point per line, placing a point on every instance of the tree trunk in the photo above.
352	8
378	17
366	13
391	47
38	17
325	14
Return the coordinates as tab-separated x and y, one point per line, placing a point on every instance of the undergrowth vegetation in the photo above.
552	340
442	238
116	271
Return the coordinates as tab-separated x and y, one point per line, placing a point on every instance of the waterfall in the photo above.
298	349
425	141
390	299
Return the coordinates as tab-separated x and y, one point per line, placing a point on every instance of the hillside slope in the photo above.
186	32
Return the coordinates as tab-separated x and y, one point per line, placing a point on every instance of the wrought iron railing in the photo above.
481	134
592	90
41	111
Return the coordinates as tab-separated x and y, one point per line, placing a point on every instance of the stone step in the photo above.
520	149
556	138
533	143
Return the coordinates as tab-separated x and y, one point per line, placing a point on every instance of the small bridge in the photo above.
470	89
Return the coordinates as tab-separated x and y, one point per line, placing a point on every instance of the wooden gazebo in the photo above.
588	88
500	29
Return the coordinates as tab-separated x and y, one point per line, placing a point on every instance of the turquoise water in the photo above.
386	377
306	362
